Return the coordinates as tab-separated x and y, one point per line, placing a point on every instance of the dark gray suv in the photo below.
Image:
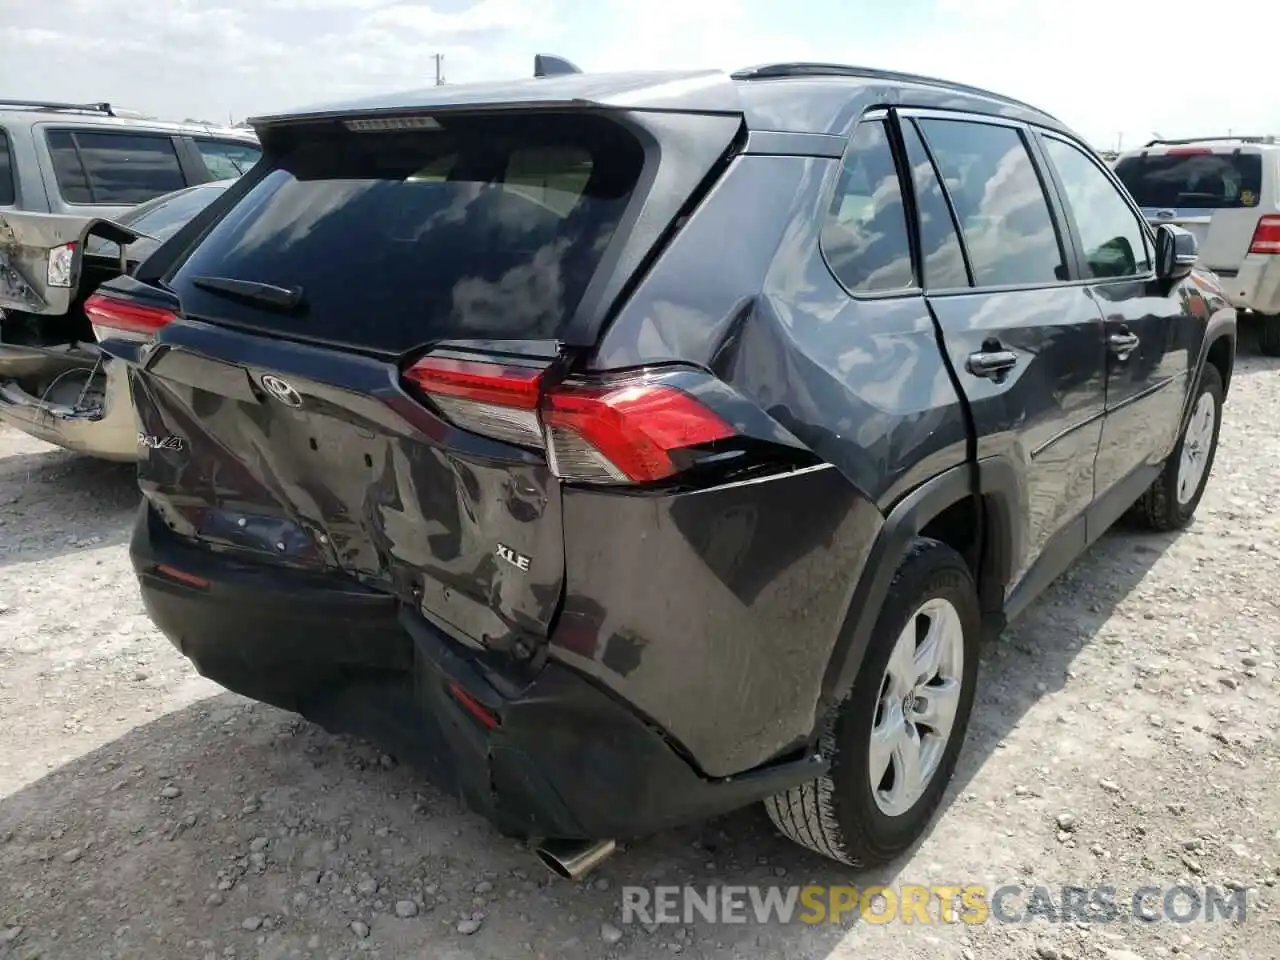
629	448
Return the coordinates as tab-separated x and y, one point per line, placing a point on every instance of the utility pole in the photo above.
439	59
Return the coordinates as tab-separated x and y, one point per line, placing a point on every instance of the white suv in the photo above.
1225	190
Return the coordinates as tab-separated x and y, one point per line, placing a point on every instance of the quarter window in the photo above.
225	160
1113	240
864	236
1003	212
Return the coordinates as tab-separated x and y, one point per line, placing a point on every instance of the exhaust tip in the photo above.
574	859
552	863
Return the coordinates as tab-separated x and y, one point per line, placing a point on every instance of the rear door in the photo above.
1153	335
320	403
1025	342
1213	191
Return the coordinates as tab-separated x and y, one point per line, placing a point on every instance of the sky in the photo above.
1114	70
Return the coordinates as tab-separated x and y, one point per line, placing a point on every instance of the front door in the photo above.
1025	341
1153	333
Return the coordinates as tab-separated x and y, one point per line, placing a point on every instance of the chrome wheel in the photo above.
1196	444
916	709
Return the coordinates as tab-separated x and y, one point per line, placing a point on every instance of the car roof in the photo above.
1217	144
796	97
28	113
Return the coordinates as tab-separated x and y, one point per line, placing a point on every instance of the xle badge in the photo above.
517	560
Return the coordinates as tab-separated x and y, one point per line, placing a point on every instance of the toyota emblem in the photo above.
281	390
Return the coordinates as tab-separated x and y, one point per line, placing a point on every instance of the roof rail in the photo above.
1266	138
53	105
549	65
771	71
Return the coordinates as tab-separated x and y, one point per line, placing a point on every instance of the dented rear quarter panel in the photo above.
718	612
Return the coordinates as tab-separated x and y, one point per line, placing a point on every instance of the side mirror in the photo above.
1176	251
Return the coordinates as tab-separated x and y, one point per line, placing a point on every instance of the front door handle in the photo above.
1122	344
994	364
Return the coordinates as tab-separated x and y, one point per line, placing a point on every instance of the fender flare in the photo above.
996	481
1223	324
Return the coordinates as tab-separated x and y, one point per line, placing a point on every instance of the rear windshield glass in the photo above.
483	229
1197	180
159	220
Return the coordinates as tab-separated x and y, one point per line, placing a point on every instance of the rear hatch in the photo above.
1213	191
364	341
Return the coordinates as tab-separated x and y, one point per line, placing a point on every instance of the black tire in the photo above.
837	815
1269	335
1158	509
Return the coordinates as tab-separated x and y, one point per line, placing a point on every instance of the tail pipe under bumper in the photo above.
574	859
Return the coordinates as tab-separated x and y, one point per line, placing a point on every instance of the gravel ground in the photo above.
1124	735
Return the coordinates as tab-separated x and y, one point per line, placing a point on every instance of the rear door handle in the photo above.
994	364
1123	344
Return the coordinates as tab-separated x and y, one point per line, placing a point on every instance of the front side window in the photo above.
864	236
1003	212
122	169
1113	240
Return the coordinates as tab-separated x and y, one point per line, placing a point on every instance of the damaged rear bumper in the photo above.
556	757
109	430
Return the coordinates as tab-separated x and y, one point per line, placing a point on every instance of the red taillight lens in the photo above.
487	398
625	432
1266	235
123	319
618	431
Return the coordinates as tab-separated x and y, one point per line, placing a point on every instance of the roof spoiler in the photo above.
549	65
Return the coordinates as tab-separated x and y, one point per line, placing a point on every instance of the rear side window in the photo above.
8	191
226	160
1002	209
864	236
108	167
939	242
486	228
1194	178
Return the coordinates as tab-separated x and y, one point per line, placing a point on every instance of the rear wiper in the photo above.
253	291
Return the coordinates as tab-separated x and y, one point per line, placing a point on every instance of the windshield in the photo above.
1195	178
486	229
159	219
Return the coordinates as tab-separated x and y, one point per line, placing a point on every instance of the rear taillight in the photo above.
620	430
487	398
124	319
61	261
1266	235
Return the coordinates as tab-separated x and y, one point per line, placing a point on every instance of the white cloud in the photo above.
1094	63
